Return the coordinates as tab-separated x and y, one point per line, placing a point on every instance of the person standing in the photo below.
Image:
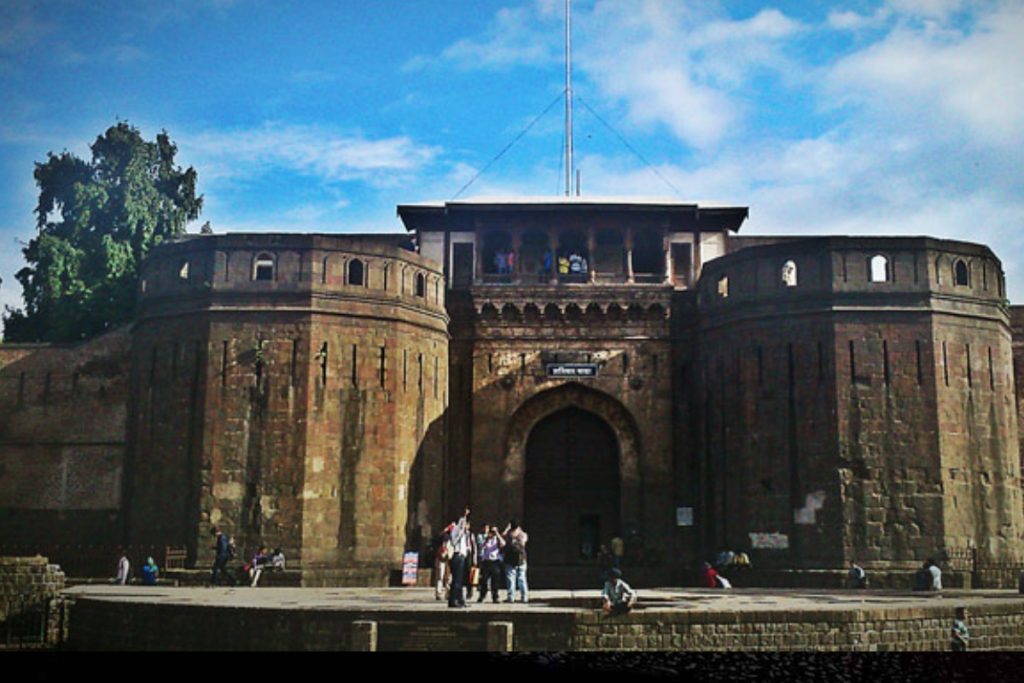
460	552
224	551
442	572
124	569
515	562
936	575
490	563
959	635
708	576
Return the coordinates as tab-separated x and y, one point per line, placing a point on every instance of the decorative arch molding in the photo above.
574	395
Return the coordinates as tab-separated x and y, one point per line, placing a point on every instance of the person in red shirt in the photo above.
709	577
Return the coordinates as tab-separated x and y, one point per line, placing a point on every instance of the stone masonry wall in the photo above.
501	347
103	625
62	436
292	411
31	585
903	448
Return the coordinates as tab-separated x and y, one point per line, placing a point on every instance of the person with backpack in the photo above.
515	561
224	550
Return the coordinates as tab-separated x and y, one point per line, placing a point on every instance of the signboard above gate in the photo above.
575	370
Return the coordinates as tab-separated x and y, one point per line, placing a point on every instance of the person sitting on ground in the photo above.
259	561
709	577
741	561
858	577
959	635
276	560
617	597
724	559
150	572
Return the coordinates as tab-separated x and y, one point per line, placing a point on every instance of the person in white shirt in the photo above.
617	596
936	573
123	569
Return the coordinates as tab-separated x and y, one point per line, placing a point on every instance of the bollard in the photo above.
364	636
499	636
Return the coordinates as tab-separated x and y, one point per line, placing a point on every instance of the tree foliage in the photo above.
97	221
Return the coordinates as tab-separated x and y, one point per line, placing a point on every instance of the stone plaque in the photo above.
439	637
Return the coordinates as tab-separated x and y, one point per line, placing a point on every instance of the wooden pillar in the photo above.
628	243
591	248
517	245
696	256
553	250
666	245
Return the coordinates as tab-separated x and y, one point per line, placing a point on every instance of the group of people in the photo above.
488	559
573	264
505	261
150	571
224	552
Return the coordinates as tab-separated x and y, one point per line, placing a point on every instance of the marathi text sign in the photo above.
564	370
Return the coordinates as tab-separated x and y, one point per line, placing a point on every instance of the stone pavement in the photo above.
422	599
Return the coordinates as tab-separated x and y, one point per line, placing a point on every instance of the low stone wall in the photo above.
29	600
99	624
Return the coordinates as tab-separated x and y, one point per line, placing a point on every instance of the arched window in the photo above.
183	270
263	268
879	268
356	272
961	274
421	285
723	286
789	274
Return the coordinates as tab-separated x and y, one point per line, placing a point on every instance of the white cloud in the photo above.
310	150
949	83
512	39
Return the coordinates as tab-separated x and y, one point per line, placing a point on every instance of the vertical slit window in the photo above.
945	364
295	359
355	366
920	363
224	364
844	267
885	362
970	379
405	369
323	364
436	374
419	380
853	364
382	369
991	371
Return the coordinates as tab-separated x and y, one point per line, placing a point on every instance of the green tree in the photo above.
97	221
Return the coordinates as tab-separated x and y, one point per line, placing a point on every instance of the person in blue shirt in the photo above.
150	572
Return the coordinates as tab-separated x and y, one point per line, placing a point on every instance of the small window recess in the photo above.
878	268
723	287
789	274
263	268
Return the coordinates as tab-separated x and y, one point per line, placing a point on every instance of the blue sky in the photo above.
861	117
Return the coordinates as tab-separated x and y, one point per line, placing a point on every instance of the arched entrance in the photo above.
571	488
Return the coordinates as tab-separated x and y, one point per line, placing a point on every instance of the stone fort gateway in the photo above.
636	368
